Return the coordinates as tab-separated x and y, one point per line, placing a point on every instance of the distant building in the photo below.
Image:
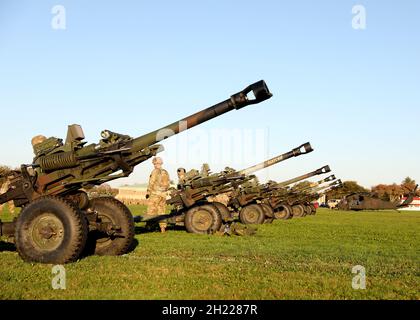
322	200
132	195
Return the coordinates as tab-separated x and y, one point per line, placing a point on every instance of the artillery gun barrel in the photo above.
320	171
236	101
218	181
313	193
301	150
326	188
314	184
55	192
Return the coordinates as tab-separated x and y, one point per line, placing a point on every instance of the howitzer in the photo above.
262	203
254	187
326	190
310	185
317	187
302	193
195	190
301	150
190	205
322	191
197	186
58	213
320	171
278	197
306	197
336	183
277	190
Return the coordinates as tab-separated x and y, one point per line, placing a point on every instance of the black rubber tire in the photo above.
224	211
252	214
118	214
269	220
283	212
298	211
73	231
203	219
308	210
269	212
313	209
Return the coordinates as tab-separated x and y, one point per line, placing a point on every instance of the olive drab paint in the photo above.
62	170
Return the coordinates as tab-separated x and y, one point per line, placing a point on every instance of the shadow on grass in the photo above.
133	246
156	229
91	247
7	247
87	252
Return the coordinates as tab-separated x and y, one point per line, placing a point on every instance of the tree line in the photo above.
388	192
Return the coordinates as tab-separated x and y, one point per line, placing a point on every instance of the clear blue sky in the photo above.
134	66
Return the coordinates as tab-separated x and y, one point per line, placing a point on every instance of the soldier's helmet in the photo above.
181	172
157	160
37	140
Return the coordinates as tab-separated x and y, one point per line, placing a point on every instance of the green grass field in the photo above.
309	258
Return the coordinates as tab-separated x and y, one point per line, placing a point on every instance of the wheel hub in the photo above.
105	237
47	232
202	220
298	211
252	216
280	214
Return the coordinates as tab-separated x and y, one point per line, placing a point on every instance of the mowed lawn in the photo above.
308	258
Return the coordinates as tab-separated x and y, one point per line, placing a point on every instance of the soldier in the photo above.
156	192
181	176
37	140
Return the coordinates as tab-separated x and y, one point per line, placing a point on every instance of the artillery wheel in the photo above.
120	239
252	214
50	230
308	210
283	212
298	211
269	213
204	219
223	210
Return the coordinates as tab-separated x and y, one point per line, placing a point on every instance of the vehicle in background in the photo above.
332	203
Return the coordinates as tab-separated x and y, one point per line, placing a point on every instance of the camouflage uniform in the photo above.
4	187
158	186
181	177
